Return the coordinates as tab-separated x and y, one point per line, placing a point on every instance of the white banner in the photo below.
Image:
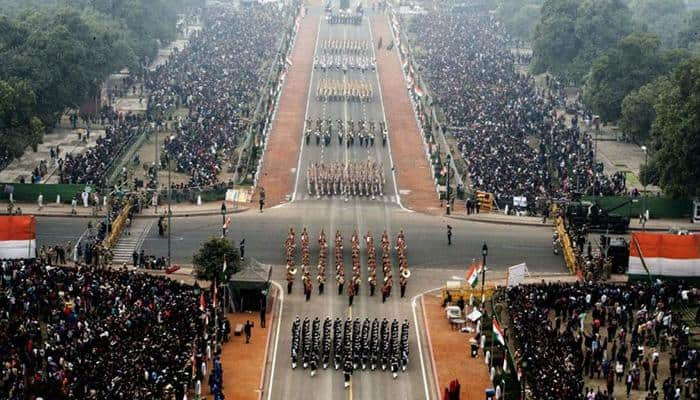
516	274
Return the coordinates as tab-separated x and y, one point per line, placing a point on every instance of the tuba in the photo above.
292	271
406	273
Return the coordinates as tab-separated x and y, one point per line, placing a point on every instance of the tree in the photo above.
689	34
571	34
209	260
675	140
554	41
638	111
19	126
518	16
662	17
635	61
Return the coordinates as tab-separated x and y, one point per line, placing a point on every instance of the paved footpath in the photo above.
416	188
280	164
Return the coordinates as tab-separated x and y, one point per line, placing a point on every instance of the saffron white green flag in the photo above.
498	332
472	275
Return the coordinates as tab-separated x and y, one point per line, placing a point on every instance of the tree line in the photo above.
638	64
55	54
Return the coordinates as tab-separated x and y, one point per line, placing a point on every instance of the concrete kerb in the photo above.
436	378
195	213
500	221
263	372
515	221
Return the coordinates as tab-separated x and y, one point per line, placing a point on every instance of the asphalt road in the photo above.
346	111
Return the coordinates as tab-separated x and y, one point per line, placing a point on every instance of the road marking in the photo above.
277	338
381	102
350	387
306	113
345	103
420	345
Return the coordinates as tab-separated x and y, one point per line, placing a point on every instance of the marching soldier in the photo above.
305	343
337	342
384	344
347	370
402	284
289	250
365	343
351	294
326	347
374	344
404	345
296	326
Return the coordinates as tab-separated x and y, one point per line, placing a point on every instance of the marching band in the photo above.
364	131
356	278
354	345
344	90
352	179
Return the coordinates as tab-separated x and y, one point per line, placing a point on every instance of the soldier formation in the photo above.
345	18
344	90
345	62
346	132
345	55
350	179
343	46
350	345
356	278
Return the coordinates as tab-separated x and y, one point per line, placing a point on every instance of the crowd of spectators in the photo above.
618	333
91	166
217	77
89	333
509	131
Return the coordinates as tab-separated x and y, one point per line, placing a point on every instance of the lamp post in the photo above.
484	253
447	183
170	213
223	219
644	195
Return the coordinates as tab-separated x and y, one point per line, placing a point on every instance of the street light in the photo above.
644	198
170	198
449	165
484	253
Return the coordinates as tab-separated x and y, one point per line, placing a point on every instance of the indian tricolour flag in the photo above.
498	332
17	237
472	275
664	254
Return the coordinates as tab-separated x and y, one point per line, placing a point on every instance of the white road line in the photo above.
420	345
306	113
345	101
277	338
381	102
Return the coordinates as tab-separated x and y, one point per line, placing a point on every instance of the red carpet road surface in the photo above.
412	168
450	351
285	138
